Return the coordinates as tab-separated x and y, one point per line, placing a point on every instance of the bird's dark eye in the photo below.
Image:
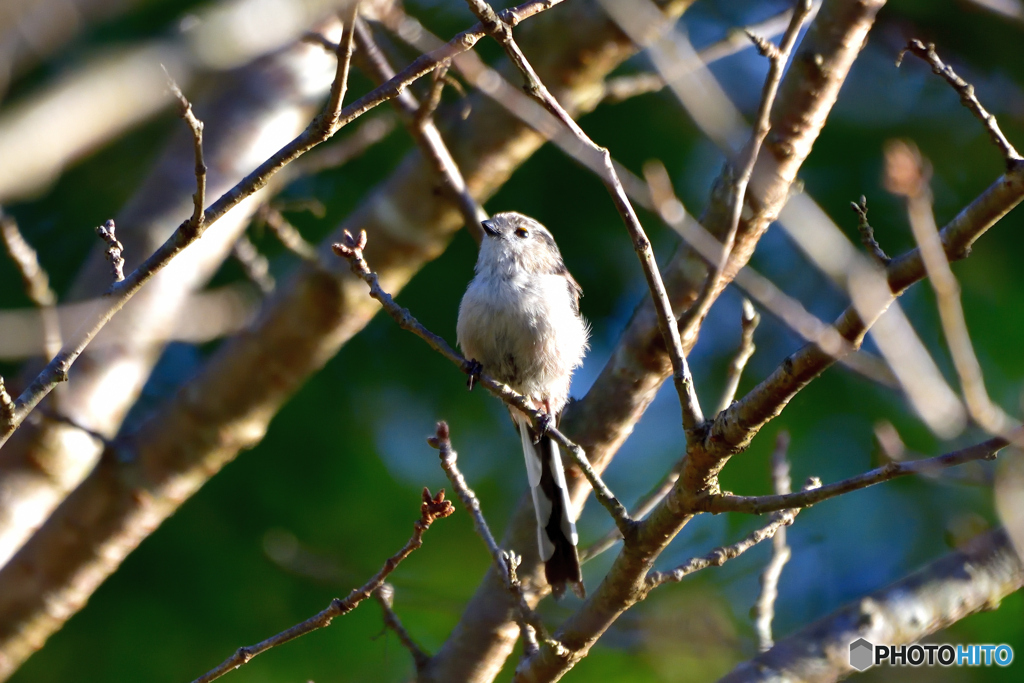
522	232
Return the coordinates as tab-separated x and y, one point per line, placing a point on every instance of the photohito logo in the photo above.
864	654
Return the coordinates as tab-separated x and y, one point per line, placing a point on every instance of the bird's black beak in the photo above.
488	226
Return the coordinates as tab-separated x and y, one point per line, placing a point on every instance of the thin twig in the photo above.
36	281
764	608
867	233
352	250
107	233
317	132
340	153
754	285
255	264
693	417
385	597
742	168
420	123
908	174
748	323
642	508
506	562
622	88
195	126
344	55
757	505
721	555
287	234
967	97
892	448
432	508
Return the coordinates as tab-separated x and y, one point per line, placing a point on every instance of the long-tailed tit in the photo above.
520	320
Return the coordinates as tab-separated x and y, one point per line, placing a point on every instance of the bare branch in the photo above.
338	153
642	508
432	509
420	123
966	581
754	285
742	168
764	608
908	174
530	625
748	324
287	234
195	126
621	88
196	432
502	33
36	281
867	233
967	96
721	555
255	264
385	596
735	427
332	112
986	450
319	130
352	250
106	233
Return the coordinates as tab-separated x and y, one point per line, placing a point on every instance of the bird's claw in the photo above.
473	369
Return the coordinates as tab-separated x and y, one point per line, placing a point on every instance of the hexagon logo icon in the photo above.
862	653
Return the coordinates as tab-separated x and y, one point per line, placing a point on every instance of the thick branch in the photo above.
501	32
966	581
320	129
227	406
742	168
638	366
733	429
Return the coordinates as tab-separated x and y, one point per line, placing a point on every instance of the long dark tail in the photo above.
556	531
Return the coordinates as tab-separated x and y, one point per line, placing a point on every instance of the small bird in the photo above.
520	321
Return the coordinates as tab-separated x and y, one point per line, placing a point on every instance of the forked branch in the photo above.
432	509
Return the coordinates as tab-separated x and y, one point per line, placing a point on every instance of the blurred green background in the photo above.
334	488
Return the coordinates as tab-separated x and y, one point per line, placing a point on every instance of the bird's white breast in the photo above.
524	331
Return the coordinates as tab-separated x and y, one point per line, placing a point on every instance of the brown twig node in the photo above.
927	53
114	249
765	47
867	233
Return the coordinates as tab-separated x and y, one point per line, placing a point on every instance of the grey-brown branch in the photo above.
431	509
